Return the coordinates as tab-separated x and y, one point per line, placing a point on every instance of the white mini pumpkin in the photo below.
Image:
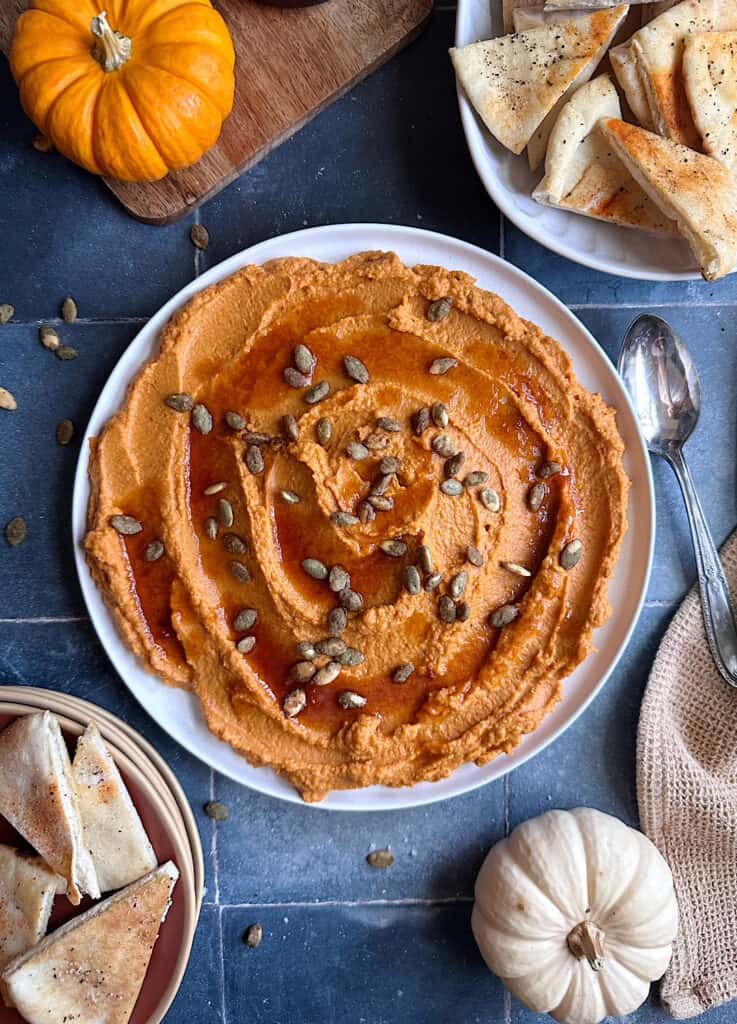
576	913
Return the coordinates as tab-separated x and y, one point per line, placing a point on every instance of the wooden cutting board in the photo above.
290	65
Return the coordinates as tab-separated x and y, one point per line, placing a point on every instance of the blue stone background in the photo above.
342	942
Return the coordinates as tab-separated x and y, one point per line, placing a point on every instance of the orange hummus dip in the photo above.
365	512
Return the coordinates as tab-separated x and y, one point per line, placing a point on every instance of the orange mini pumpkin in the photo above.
132	93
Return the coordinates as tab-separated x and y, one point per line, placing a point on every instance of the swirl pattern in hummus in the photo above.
514	407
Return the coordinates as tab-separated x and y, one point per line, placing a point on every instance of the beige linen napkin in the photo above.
687	793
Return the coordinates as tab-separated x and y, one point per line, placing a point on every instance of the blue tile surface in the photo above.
342	942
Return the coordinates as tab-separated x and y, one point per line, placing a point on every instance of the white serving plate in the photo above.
509	181
178	712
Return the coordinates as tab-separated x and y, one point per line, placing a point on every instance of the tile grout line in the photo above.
214	844
197	252
83	321
221	972
407	901
501	235
43	620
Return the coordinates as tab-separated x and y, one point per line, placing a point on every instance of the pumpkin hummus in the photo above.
370	530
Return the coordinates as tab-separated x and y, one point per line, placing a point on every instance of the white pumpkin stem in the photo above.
112	49
587	940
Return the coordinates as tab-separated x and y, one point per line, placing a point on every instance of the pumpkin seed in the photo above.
253	935
393	548
65	353
211	528
357	451
324	431
338	578
351	657
154	551
304	359
381	483
390	464
234	544
381	502
351	600
215	488
440	366
439	309
7	400
216	810
356	369
302	672
349	700
446	609
234	420
376	441
452	488
474	556
254	460
403	672
295	702
240	571
307	649
199	236
424	558
317	392
458	584
181	402
290	427
126	525
294	378
337	621
202	418
245	620
49	337
441	444
315	568
6	312
341	518
412	580
549	469
16	531
331	646
225	512
421	421
571	554
439	413
503	616
246	644
257	437
327	674
291	497
490	499
42	144
389	424
380	859
69	310
516	568
475	478
463	611
536	496
366	512
454	464
433	580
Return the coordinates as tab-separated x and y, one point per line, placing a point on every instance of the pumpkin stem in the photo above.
111	49
587	940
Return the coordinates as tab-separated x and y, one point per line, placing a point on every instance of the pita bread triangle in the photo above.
91	970
694	190
514	81
710	76
38	798
27	890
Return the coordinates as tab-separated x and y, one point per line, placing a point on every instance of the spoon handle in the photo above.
716	602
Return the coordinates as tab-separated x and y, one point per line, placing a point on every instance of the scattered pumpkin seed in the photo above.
349	700
381	502
225	512
324	431
380	859
503	616
245	619
403	672
571	554
439	413
216	810
440	366
327	674
412	580
69	310
16	531
254	459
376	441
366	512
351	600
126	525
180	402
202	418
246	644
421	420
549	469
441	444
337	621
6	312
390	464
304	359
475	478
389	424
253	935
215	488
65	353
49	337
424	558
433	580
154	551
463	611
42	143
490	499
516	568
277	444
291	497
394	548
536	496
240	571
474	556
200	236
439	309
341	518
294	378
381	483
257	437
7	400
302	672
446	609
454	464
234	544
458	584
452	488
357	451
295	702
351	657
211	528
315	568
234	420
356	369
307	649
331	646
338	578
317	392
290	427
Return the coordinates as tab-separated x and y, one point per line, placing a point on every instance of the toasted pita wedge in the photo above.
625	67
91	970
585	5
113	832
514	81
694	190
582	174
509	7
710	74
38	798
27	890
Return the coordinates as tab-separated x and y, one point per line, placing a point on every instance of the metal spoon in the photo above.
662	380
